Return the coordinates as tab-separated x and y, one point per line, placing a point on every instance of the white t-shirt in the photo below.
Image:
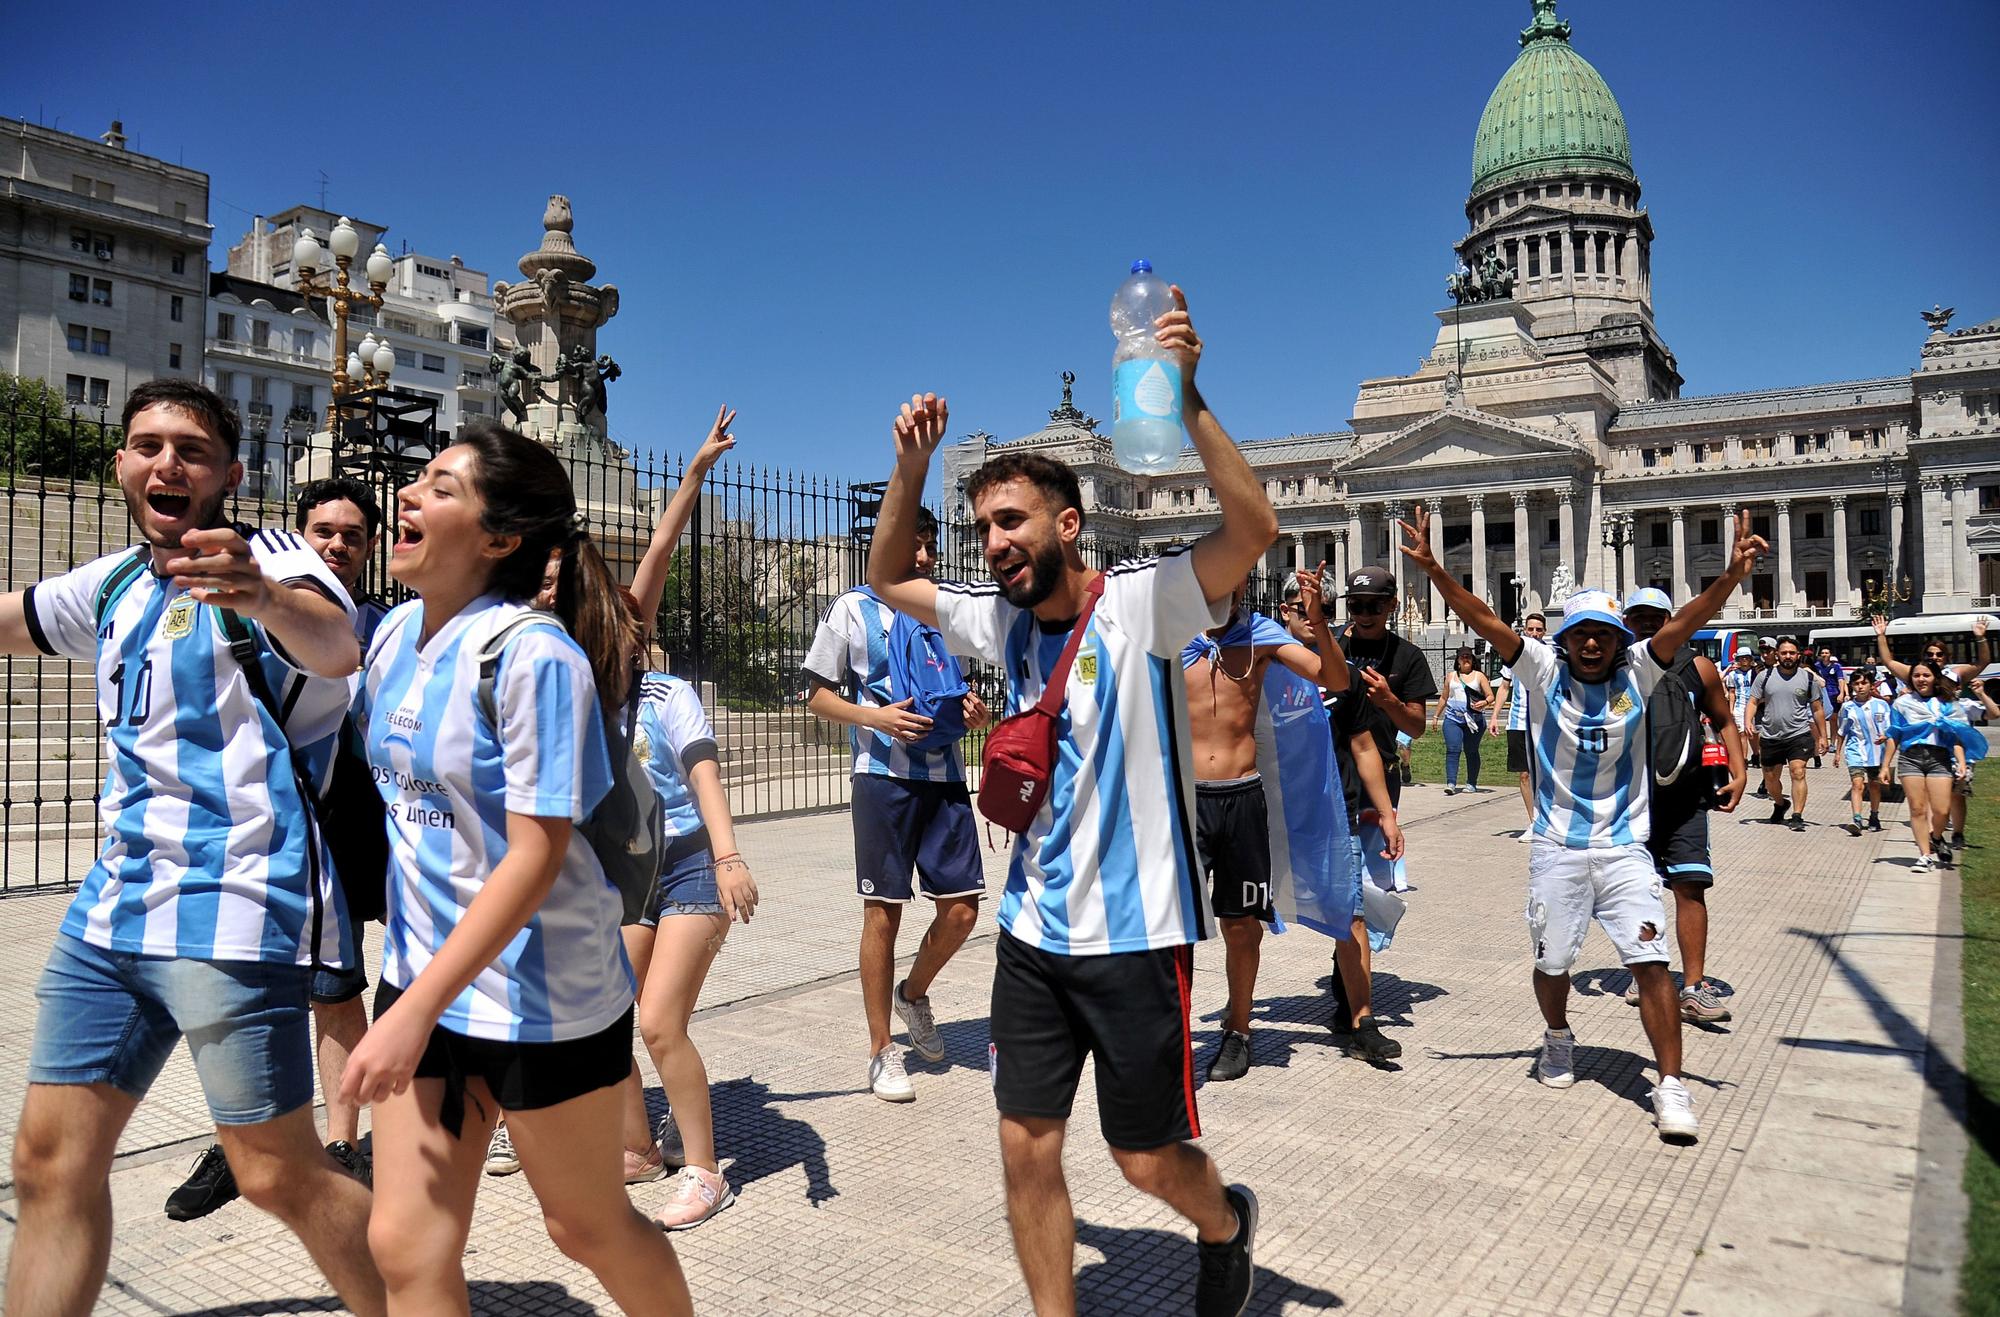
673	733
1591	756
450	775
210	852
1109	864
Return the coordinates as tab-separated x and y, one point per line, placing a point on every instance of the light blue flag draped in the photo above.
1302	794
1944	719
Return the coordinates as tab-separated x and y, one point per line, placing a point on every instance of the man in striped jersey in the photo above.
1103	901
911	814
1590	747
210	904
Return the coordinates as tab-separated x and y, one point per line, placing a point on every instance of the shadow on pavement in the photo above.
1968	1103
1153	1271
755	1140
964	1046
499	1298
1613	1068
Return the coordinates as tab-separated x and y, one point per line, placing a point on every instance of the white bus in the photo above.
1853	644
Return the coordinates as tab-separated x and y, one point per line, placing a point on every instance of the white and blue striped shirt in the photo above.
851	650
1863	724
1109	865
1591	756
210	852
451	773
1517	702
673	733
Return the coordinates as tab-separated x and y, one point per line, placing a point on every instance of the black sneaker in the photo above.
1369	1043
1874	823
1232	1059
1779	808
352	1160
1797	823
208	1187
1227	1274
1942	849
1958	840
1761	793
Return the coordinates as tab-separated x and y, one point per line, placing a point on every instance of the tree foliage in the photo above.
42	434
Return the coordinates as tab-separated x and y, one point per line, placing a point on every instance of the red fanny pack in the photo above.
1020	757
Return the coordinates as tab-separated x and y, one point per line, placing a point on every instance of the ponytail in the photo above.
590	603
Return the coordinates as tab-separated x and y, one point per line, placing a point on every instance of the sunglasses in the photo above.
1367	607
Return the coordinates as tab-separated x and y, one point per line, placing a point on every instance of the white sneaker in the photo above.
1451	791
500	1156
887	1078
916	1017
1555	1067
1924	864
1673	1110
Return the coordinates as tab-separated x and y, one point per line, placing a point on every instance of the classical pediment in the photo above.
1461	436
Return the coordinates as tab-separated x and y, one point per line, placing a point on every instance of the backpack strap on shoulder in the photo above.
121	576
489	658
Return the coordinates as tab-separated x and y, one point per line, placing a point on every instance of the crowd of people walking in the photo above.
498	771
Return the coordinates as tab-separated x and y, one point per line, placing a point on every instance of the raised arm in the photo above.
649	582
1471	609
1324	664
1679	629
892	557
1900	671
1249	525
1982	652
14	637
216	566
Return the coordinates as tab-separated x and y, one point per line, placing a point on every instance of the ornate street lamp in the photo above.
1618	532
370	366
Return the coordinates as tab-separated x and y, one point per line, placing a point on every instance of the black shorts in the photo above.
1232	834
1517	752
1679	840
522	1076
1128	1010
1776	750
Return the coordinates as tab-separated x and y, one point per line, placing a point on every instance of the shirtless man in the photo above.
1225	681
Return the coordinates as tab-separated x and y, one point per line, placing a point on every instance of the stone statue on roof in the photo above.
1938	317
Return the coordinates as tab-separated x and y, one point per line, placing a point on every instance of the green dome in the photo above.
1550	114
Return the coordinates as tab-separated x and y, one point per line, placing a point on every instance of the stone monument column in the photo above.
1841	596
1478	502
1524	557
1937	556
1787	592
1566	530
1965	575
1680	544
1433	597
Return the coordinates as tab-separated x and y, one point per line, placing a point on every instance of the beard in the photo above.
1045	568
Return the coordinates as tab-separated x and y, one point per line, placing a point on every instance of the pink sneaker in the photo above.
644	1168
697	1195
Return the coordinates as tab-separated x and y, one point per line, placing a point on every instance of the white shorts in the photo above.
1618	886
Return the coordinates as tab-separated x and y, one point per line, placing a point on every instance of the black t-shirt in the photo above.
1350	712
1409	679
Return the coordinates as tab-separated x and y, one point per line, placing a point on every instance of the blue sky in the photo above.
813	209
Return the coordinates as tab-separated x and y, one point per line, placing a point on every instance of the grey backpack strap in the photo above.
489	659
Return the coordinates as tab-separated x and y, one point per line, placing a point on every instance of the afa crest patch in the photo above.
1086	669
1622	705
179	623
642	747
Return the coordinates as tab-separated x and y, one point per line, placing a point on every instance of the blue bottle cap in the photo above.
1142	267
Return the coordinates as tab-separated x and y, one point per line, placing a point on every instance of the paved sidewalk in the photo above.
1450	1184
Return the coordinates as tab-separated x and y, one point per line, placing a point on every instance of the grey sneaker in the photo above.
916	1017
673	1152
1232	1059
1701	1005
886	1077
1632	994
500	1156
1556	1066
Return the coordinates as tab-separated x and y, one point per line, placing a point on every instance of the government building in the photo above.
1547	433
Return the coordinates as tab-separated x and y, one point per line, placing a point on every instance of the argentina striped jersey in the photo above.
1109	865
1863	724
1517	702
451	772
1590	754
673	734
1737	683
851	650
210	852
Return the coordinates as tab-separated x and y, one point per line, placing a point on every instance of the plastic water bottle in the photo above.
1145	378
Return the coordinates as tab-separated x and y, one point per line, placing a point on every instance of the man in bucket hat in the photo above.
1593	815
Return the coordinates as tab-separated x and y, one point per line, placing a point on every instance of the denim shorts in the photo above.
686	886
330	987
112	1017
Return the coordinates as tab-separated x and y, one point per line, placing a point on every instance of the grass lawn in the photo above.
1979	1282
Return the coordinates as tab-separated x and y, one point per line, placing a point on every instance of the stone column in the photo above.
1965	575
1355	547
1936	556
1680	541
1566	531
1841	592
1478	502
1628	554
1433	598
1786	594
1524	554
1392	512
1742	600
1895	534
1298	551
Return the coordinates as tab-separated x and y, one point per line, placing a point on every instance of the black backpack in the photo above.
1673	722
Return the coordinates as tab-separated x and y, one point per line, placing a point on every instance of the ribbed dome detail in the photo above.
1552	113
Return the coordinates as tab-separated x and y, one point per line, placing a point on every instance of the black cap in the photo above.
1370	582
